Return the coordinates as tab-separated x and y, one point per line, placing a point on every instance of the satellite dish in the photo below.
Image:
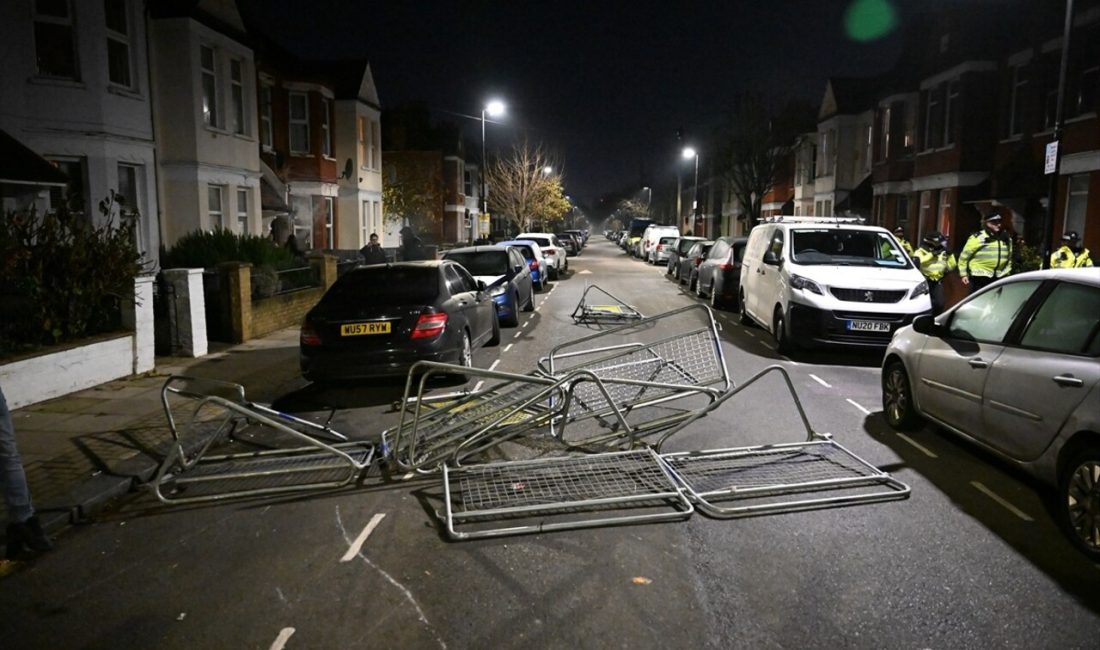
348	169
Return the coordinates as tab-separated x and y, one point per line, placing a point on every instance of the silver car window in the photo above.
988	316
1067	322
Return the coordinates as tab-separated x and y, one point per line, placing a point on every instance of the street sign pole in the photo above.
1053	150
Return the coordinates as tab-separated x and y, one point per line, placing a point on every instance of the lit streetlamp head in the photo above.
547	170
688	153
495	108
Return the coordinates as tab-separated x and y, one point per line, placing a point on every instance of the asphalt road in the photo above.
971	560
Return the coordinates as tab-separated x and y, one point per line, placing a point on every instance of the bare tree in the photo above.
520	189
756	145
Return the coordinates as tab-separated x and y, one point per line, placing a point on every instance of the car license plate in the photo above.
868	326
360	329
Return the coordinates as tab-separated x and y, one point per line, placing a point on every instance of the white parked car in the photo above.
647	247
815	281
1014	368
552	249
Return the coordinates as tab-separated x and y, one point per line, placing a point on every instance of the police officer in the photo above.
899	232
987	255
935	262
1072	254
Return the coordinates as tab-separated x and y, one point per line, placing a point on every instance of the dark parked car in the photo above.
572	244
688	273
720	272
679	249
505	274
379	320
583	234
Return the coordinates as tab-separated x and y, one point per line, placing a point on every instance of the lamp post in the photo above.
688	154
494	108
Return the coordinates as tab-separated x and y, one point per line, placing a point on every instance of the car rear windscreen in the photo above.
386	285
482	263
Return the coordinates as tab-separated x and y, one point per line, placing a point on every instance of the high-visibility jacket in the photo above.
907	246
986	255
1065	258
935	264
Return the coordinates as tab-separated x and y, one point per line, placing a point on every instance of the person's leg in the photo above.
935	293
17	495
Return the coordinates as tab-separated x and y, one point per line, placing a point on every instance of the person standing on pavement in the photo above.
935	262
411	246
24	531
372	253
987	255
1072	254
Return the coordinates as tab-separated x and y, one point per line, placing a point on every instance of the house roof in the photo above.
20	165
849	95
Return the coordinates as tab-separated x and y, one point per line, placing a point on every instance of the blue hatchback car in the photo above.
506	274
532	254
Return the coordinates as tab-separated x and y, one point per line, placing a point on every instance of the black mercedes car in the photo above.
379	320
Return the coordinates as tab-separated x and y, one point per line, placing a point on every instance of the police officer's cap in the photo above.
933	238
1071	236
899	230
992	218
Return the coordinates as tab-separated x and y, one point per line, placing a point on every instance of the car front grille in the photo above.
866	295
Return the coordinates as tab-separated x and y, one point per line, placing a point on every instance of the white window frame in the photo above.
376	130
1077	198
361	134
267	122
299	121
215	216
69	22
58	194
326	127
210	113
237	96
929	110
884	133
243	197
330	232
1015	101
364	223
123	39
951	98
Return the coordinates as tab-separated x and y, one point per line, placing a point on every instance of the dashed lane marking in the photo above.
355	547
284	636
924	450
820	380
1008	506
857	405
494	365
478	386
517	334
507	347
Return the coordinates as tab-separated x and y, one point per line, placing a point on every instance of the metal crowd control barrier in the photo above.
658	371
613	310
506	498
230	447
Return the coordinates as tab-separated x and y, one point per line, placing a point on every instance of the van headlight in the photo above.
920	290
799	282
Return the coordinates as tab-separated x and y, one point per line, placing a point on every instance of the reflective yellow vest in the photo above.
1063	258
935	265
986	255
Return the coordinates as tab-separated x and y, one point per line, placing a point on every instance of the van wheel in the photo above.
746	320
783	343
1079	500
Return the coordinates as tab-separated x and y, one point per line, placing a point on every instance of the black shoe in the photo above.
36	538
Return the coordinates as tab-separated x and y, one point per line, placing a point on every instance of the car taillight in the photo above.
309	336
548	253
698	261
725	266
429	326
660	247
533	265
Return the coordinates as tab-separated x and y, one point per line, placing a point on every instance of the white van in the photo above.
647	248
815	281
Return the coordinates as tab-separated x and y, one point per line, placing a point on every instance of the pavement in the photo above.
84	449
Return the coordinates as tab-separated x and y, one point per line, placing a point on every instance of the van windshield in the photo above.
847	248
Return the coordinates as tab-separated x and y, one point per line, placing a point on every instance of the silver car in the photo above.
1014	368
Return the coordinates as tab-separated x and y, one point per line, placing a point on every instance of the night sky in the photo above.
604	84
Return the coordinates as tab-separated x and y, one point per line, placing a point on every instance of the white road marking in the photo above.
404	590
767	345
524	324
284	636
1011	508
494	365
750	334
507	347
358	544
408	476
517	335
856	404
924	450
478	385
820	380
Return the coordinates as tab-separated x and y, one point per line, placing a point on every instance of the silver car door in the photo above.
1034	387
954	368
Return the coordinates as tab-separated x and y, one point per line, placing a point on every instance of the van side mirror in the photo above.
926	324
771	258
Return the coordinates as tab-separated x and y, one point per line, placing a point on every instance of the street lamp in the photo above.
547	170
494	108
689	153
